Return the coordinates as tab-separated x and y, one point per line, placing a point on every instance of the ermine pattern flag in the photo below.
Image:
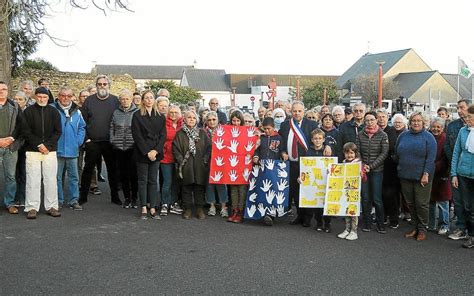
268	192
232	152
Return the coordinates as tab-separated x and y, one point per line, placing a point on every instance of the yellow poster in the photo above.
313	181
343	190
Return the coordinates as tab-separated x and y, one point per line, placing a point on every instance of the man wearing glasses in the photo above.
97	112
214	105
351	129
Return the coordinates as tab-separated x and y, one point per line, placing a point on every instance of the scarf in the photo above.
193	136
470	140
66	109
370	131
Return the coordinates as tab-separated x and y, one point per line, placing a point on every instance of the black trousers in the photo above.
127	173
391	200
190	191
94	152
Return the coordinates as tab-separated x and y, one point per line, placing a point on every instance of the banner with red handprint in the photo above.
232	152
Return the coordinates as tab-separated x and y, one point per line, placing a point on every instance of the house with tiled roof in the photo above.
420	86
465	84
416	80
210	83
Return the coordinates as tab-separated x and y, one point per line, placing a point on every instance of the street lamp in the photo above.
380	63
233	96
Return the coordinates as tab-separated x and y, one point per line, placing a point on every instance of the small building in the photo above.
143	73
210	83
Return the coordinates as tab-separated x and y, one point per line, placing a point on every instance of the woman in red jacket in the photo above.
441	189
174	121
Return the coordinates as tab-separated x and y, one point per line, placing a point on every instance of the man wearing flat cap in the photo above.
41	127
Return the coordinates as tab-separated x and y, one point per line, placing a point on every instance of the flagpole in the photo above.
458	78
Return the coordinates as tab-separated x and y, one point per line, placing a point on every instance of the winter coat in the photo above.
170	134
121	128
15	117
271	147
73	130
41	125
196	168
441	188
333	138
349	131
463	160
373	151
390	176
452	132
149	133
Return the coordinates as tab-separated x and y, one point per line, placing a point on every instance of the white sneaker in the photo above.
212	211
457	234
164	210
443	231
224	213
343	234
352	236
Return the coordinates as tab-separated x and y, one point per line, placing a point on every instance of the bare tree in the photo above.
367	87
25	18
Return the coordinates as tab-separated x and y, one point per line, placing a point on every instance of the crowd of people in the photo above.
158	154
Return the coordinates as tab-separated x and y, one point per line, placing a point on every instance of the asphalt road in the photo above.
107	250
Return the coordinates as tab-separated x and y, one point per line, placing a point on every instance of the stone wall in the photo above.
77	81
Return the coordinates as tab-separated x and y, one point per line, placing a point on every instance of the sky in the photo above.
260	36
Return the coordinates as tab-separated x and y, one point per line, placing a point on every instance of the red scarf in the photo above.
371	131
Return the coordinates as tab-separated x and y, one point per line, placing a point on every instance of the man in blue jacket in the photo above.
72	137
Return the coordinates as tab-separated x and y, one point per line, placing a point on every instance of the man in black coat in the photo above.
41	128
293	149
350	129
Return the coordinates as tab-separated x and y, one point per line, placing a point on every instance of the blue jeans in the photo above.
9	159
221	193
466	186
371	192
439	209
70	164
458	209
169	188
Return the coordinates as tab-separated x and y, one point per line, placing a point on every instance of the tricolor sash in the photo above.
298	134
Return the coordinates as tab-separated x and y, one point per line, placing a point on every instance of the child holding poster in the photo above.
317	149
351	154
270	148
238	193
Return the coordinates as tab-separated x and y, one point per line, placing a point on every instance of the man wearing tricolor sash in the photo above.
296	135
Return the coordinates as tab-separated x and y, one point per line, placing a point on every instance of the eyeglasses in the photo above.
212	119
358	111
63	96
102	84
311	117
214	103
248	121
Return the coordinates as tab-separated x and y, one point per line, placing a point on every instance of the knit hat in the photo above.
42	90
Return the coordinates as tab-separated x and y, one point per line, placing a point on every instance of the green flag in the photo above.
463	69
